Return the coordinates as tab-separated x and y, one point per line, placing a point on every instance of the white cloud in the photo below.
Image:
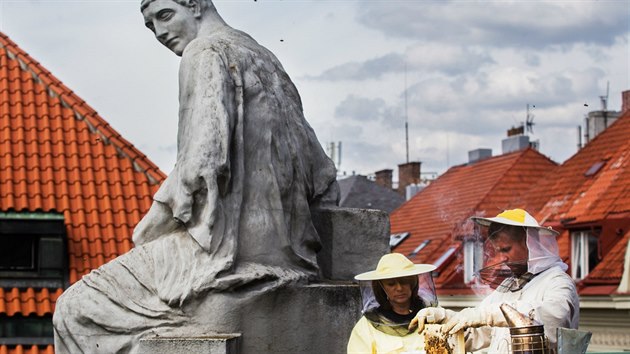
471	69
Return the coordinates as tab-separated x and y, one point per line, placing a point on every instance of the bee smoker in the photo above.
526	336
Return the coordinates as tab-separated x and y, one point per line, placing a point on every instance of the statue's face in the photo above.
174	25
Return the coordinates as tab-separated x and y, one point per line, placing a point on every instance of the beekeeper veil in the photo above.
541	244
376	307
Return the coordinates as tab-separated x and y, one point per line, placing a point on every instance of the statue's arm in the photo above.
207	116
202	170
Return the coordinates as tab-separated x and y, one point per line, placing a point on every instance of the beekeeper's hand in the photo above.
475	317
430	315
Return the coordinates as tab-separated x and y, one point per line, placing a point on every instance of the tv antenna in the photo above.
604	100
406	119
529	120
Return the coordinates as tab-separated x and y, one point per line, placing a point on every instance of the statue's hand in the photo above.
156	223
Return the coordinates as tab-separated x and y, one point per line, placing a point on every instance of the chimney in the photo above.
625	101
408	173
514	143
384	178
478	155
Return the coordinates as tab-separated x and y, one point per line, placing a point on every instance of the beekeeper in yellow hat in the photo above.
537	285
392	295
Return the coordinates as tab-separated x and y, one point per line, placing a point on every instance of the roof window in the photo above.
396	239
594	168
449	252
419	248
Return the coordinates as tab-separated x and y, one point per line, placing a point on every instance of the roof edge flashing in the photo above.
12	215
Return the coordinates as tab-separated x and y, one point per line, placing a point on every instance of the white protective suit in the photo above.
551	294
366	339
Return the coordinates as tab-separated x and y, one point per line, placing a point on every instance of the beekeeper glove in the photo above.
430	315
475	317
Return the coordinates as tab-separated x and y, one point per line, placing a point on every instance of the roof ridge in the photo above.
82	111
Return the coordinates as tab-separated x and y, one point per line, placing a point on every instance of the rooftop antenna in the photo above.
529	120
604	100
406	119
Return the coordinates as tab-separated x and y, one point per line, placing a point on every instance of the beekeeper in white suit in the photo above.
538	286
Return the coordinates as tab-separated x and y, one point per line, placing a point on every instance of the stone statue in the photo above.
234	216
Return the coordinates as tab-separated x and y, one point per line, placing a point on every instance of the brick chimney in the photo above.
384	178
408	173
625	101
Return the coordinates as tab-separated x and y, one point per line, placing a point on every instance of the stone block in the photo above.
308	319
353	240
214	344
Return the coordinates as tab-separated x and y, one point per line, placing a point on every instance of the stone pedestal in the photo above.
308	319
353	240
216	344
315	318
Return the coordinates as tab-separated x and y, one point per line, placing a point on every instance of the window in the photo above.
18	329
584	253
18	252
594	168
444	257
396	239
419	248
473	259
32	250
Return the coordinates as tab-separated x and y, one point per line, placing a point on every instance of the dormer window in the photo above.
584	253
473	259
32	250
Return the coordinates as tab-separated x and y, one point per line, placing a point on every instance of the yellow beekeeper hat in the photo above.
515	217
395	265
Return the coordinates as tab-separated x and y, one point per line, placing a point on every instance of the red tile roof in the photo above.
58	155
573	195
28	302
440	212
592	189
20	349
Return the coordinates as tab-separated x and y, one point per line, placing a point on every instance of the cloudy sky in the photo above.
469	69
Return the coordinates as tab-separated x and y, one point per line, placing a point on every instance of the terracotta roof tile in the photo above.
57	154
566	196
574	195
27	302
611	266
24	349
441	210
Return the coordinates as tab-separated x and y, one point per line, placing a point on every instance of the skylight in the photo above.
419	248
396	239
444	257
594	168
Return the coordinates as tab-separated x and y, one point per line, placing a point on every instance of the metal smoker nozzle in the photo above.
515	318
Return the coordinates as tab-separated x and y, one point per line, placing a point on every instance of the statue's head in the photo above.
175	23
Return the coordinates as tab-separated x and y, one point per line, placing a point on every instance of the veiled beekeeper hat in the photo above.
395	265
515	217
